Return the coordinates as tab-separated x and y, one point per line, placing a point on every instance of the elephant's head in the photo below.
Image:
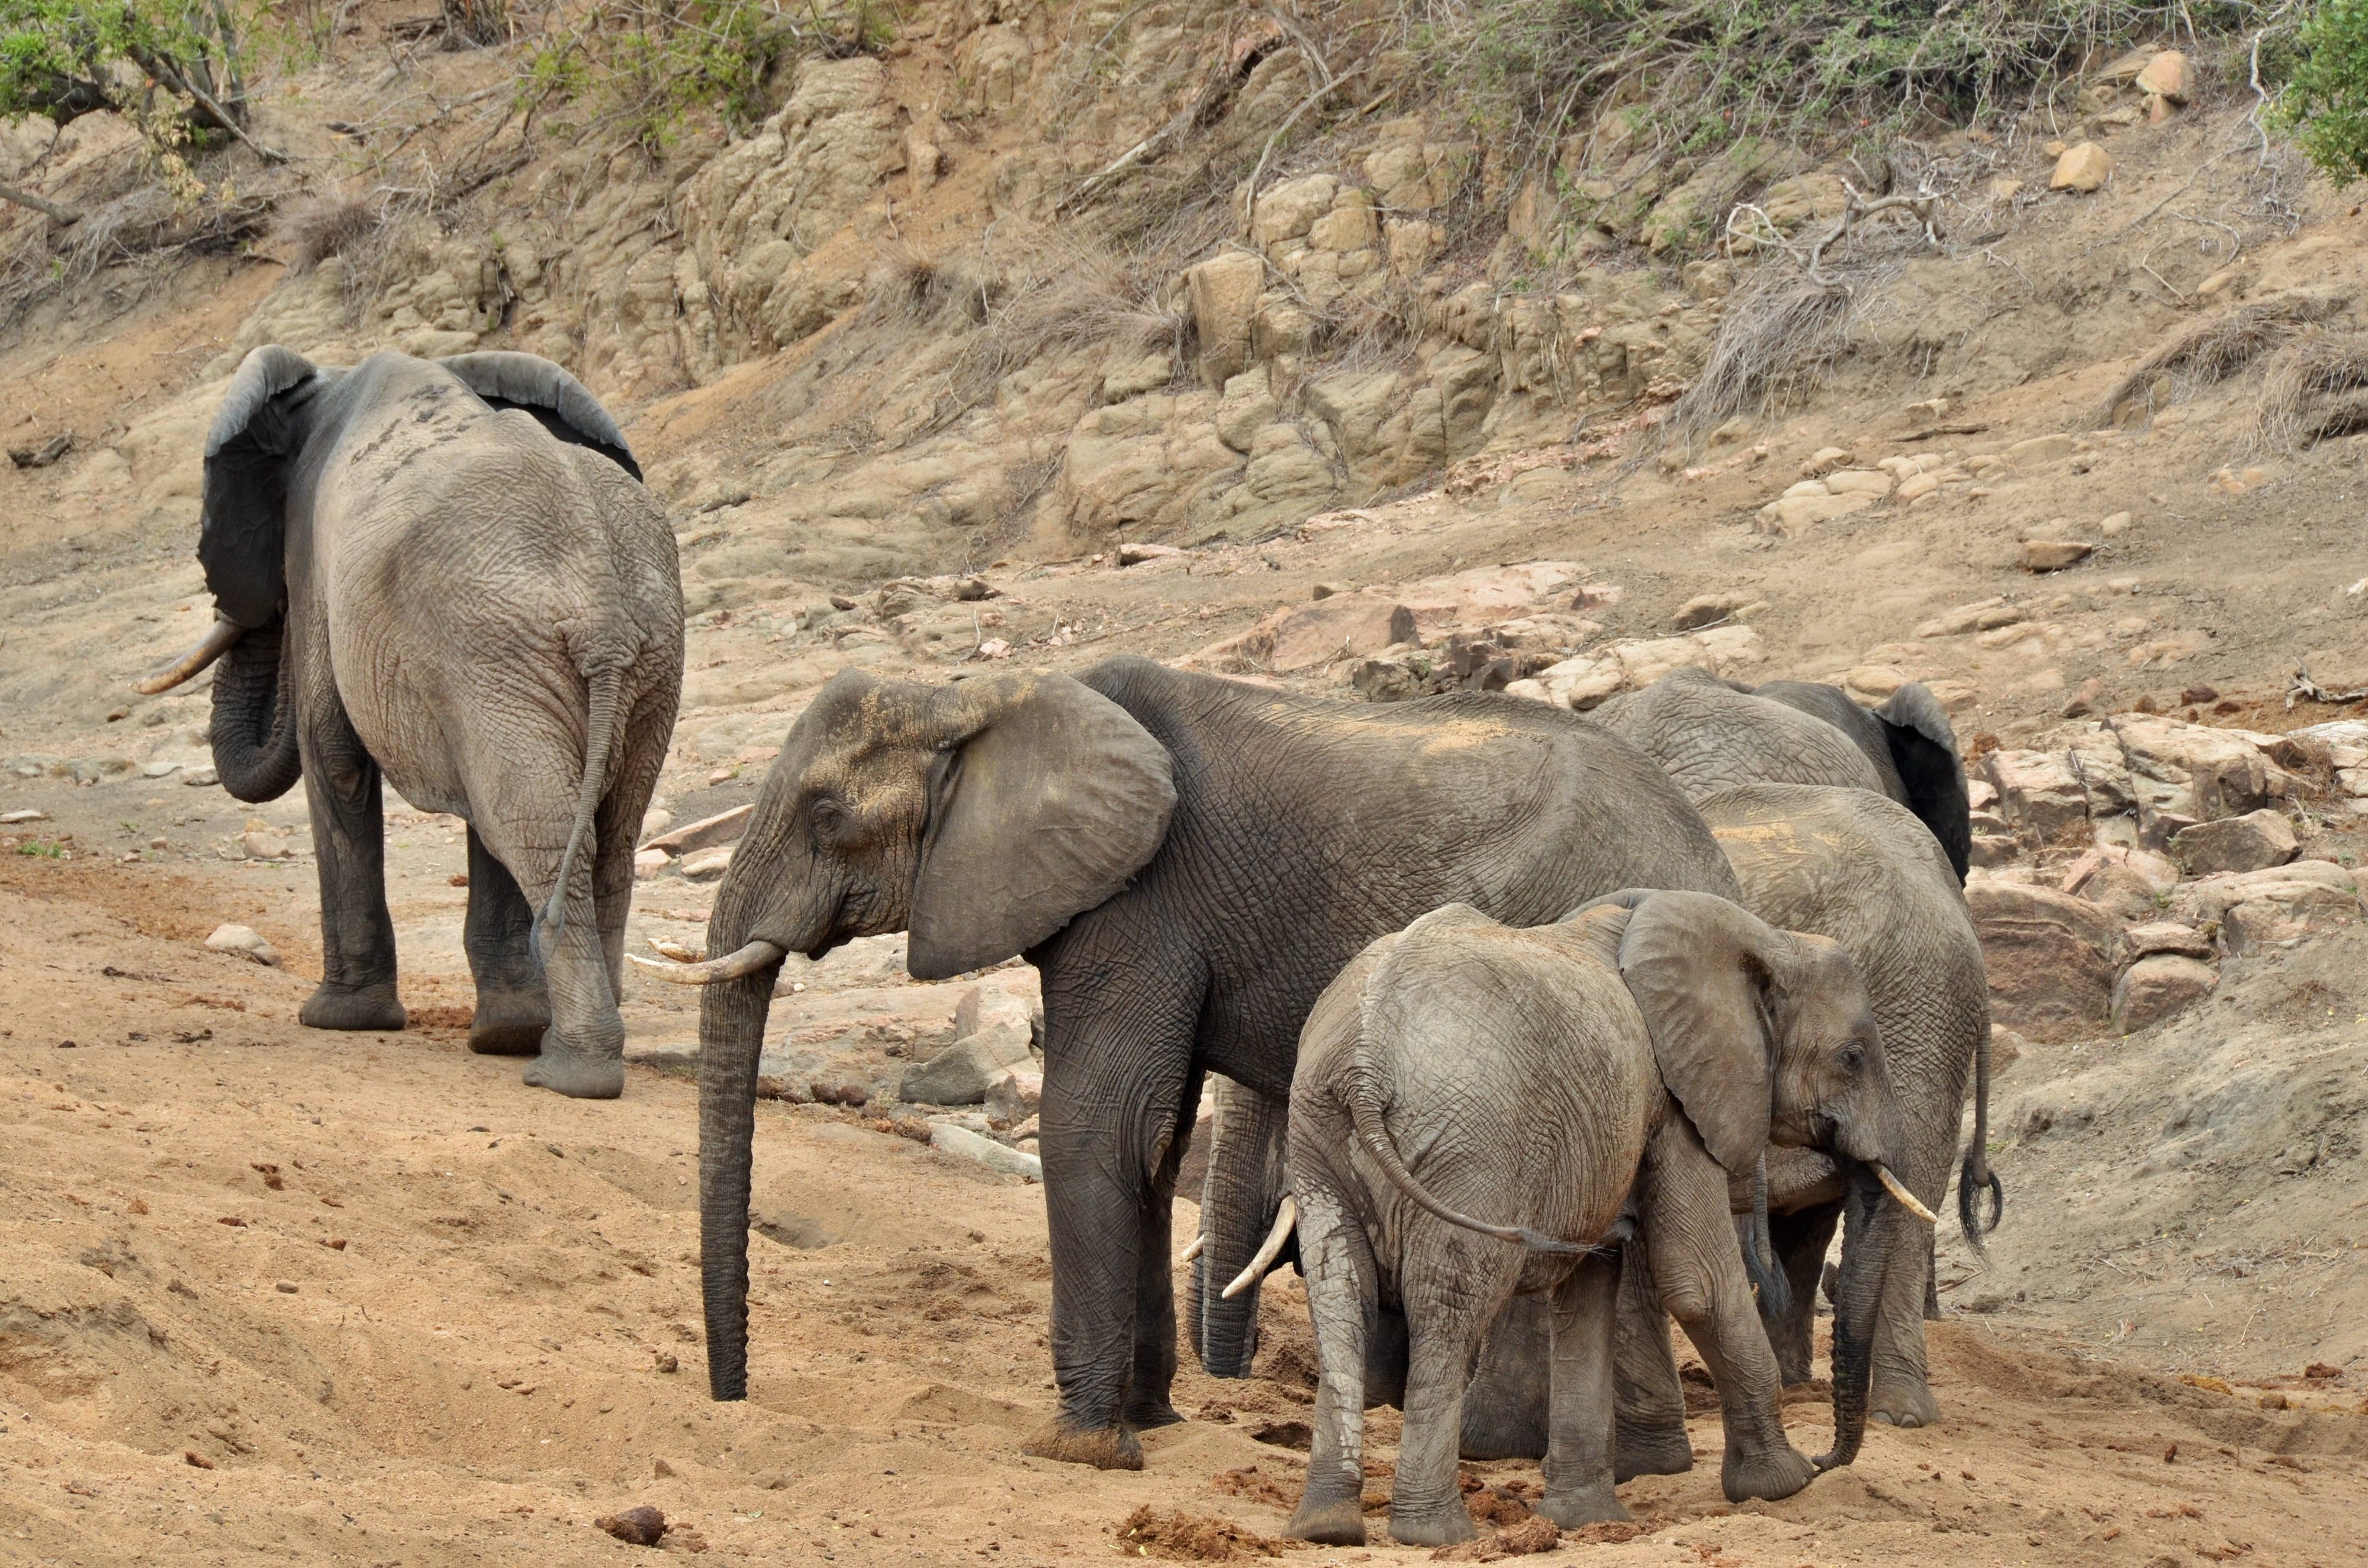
1768	1037
279	409
982	817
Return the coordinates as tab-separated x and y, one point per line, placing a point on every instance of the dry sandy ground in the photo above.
284	1296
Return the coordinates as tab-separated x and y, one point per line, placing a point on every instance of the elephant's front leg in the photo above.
1901	1391
513	1005
1802	1240
342	788
1114	1088
1579	1449
1698	1270
1147	1402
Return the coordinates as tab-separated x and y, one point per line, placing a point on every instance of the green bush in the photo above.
2325	104
63	59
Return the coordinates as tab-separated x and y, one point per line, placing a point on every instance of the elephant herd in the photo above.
1534	1028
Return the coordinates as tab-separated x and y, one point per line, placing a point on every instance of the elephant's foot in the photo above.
1109	1447
1650	1450
1583	1506
508	1024
1777	1472
1150	1413
578	1074
353	1008
1433	1526
1904	1401
1338	1523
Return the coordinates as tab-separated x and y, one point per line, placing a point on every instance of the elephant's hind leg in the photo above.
513	1006
1649	1436
1579	1454
342	789
1340	1275
1802	1240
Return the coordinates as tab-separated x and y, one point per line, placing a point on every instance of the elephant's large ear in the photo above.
1924	749
242	543
507	379
1702	971
1052	797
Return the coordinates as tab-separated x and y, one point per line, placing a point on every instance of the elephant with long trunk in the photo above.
447	573
1480	1110
1188	861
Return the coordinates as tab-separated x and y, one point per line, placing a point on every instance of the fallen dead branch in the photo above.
2216	347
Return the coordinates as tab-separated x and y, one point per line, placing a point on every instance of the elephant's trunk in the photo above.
731	1037
1871	1227
253	728
1238	1202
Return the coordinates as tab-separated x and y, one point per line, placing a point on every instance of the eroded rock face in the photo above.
2281	905
2250	842
2158	987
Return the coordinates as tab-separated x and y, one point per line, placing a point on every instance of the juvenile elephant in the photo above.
1710	734
1620	1070
1188	861
447	571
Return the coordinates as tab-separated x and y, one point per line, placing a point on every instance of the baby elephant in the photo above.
1625	1067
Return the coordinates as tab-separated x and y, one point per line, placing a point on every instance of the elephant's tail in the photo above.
1365	1112
1977	1177
600	731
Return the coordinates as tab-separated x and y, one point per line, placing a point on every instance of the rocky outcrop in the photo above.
2049	956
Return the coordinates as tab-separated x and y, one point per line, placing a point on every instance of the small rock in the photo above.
1323	590
958	1140
1704	609
263	846
1857	482
1823	462
706	865
2004	189
10	819
199	778
2167	75
2253	842
2112	526
723	827
964	1071
644	1526
1917	486
648	863
2082	169
1975	617
2085	700
1013	1097
655	821
243	940
2157	987
2053	554
2166	937
1138	554
159	769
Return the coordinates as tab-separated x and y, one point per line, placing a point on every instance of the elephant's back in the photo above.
1709	737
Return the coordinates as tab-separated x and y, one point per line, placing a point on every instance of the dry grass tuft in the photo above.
1773	342
2216	347
325	223
2314	390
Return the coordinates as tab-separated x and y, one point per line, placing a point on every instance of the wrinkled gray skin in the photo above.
447	572
1636	1058
1713	734
1188	861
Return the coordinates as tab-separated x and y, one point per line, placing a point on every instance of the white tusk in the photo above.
676	951
1907	1200
730	966
1192	1249
1284	1220
213	646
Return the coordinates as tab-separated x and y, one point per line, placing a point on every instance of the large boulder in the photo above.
2039	793
2048	955
2274	907
2158	987
2183	774
2250	842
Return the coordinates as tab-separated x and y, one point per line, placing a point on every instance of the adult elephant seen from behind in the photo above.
447	572
1188	861
1713	735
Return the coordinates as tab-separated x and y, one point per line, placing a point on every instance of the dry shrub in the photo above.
2216	347
1773	342
1191	1538
325	223
2312	390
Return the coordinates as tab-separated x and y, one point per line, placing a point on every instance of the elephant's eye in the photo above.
829	818
1853	1057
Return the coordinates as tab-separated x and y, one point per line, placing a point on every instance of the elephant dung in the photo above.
244	941
2157	987
1013	1097
964	1071
2048	954
994	1156
2253	842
